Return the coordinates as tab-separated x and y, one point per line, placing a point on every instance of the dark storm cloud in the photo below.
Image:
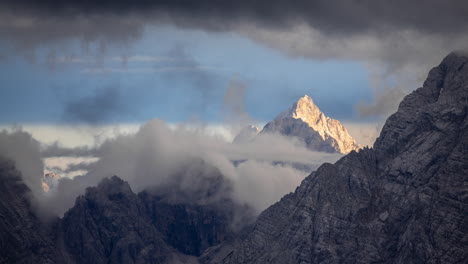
430	15
99	107
330	16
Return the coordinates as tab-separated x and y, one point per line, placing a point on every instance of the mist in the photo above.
157	156
24	150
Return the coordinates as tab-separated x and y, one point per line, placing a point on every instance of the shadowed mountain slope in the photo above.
404	201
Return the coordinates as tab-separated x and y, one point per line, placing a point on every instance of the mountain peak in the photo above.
114	185
306	99
305	109
321	133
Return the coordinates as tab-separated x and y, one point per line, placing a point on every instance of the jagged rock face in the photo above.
23	238
405	201
108	225
305	121
111	224
197	214
190	228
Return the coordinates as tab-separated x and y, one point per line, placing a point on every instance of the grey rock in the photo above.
108	225
403	201
112	224
23	237
189	227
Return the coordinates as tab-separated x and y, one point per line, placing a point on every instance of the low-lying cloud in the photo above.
158	156
24	150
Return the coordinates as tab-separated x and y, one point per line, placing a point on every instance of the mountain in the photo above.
403	201
112	224
305	121
174	223
23	237
109	225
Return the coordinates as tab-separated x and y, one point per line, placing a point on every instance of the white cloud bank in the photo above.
158	155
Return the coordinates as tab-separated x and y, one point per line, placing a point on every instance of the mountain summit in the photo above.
305	121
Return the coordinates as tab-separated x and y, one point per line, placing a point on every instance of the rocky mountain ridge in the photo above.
404	201
112	224
23	236
305	121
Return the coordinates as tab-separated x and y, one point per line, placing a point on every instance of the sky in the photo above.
177	75
127	62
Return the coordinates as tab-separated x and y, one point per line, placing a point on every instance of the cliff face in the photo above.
23	237
111	224
305	121
108	225
404	201
190	228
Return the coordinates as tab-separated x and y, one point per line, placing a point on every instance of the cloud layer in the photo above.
157	156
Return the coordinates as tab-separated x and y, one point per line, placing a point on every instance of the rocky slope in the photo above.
109	225
189	227
23	237
404	201
112	224
305	121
